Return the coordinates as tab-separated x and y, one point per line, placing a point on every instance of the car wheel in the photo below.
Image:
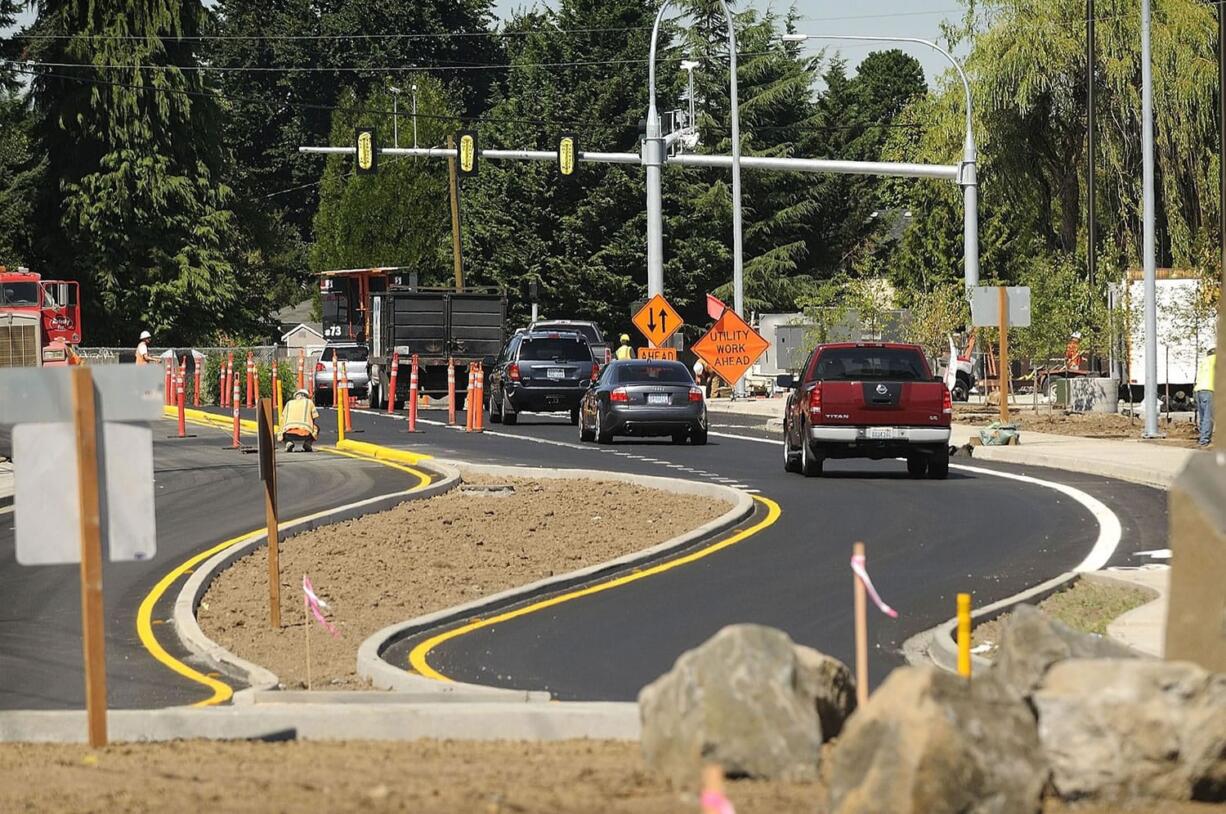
917	464
679	437
321	400
602	435
810	464
584	433
938	463
962	389
495	415
508	416
698	437
790	458
574	415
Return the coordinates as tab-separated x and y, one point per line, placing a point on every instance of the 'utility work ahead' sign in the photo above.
730	347
657	320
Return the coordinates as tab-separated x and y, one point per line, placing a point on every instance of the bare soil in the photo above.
424	777
428	555
1086	606
1179	432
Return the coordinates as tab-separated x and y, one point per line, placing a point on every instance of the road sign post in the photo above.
657	320
268	474
1004	355
731	347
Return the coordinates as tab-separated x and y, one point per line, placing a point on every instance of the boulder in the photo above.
1117	730
748	699
931	742
1032	642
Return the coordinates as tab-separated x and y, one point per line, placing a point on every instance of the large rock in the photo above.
1117	730
1032	642
748	699
931	742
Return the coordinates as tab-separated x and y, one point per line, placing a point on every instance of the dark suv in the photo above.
538	372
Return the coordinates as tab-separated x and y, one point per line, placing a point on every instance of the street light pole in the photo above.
688	65
967	175
1148	260
413	88
653	160
395	116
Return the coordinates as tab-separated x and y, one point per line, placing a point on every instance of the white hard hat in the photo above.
301	391
146	335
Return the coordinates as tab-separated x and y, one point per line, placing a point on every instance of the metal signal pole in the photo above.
1149	262
1091	221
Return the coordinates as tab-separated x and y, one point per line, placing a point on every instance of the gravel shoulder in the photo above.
429	555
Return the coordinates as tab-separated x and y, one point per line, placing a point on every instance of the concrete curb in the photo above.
201	646
1018	456
331	722
382	674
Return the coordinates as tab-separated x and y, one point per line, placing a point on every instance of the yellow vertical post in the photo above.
964	635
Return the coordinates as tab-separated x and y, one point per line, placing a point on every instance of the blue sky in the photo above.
901	18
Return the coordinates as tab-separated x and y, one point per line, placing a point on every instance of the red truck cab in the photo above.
40	320
873	400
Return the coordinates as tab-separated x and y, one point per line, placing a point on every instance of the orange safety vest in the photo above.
298	418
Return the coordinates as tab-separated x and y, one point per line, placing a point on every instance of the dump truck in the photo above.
40	320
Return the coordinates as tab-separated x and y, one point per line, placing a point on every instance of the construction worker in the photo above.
298	421
142	349
1204	396
624	350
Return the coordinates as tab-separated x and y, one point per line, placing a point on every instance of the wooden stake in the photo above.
268	471
964	635
454	185
1004	354
861	613
85	421
306	626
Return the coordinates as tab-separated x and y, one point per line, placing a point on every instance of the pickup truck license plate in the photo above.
882	433
556	373
658	398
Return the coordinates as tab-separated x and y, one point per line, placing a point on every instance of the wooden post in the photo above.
964	635
1004	354
268	473
85	421
861	614
306	626
454	185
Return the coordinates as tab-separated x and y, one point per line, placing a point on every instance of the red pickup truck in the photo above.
866	400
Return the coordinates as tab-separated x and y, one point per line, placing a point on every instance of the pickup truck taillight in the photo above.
513	372
595	371
319	367
619	394
815	401
947	402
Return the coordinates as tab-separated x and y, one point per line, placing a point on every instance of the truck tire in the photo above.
495	415
810	464
508	416
962	388
791	458
917	465
938	463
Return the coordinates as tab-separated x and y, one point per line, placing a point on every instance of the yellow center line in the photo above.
222	692
418	655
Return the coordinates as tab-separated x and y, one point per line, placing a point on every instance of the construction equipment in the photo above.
40	320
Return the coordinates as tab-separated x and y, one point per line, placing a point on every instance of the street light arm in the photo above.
651	62
966	84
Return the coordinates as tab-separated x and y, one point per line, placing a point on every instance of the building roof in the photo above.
316	328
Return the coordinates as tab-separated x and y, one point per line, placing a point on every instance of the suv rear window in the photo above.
652	374
547	350
589	331
870	364
346	353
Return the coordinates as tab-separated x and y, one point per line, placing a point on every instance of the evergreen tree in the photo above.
133	205
20	179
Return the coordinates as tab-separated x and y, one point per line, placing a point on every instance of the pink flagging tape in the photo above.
314	603
857	567
714	802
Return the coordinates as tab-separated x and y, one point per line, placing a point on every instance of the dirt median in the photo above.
428	555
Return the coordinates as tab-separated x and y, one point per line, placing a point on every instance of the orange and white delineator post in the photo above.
301	368
167	368
468	399
236	400
413	395
450	391
480	405
345	400
199	377
391	388
181	397
221	384
228	385
250	379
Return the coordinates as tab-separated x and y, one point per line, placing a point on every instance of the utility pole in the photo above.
1220	400
1149	262
413	88
1091	220
395	115
454	187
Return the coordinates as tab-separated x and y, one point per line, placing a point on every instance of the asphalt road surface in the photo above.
204	494
926	539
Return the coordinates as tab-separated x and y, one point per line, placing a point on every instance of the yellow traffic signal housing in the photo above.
367	151
468	153
568	153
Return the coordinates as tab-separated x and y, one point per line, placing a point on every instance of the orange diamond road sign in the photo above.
657	320
730	347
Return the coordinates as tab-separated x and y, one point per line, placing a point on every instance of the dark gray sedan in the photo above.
644	397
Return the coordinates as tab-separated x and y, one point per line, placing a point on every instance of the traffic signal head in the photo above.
366	150
468	154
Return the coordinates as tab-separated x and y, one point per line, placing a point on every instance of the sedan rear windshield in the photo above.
653	374
347	353
870	364
548	350
589	331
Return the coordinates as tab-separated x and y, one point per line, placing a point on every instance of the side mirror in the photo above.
785	381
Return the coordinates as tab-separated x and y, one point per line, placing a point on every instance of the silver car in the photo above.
356	366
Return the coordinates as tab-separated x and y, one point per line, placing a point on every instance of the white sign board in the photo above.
985	306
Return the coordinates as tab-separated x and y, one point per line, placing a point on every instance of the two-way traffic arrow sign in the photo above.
657	320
